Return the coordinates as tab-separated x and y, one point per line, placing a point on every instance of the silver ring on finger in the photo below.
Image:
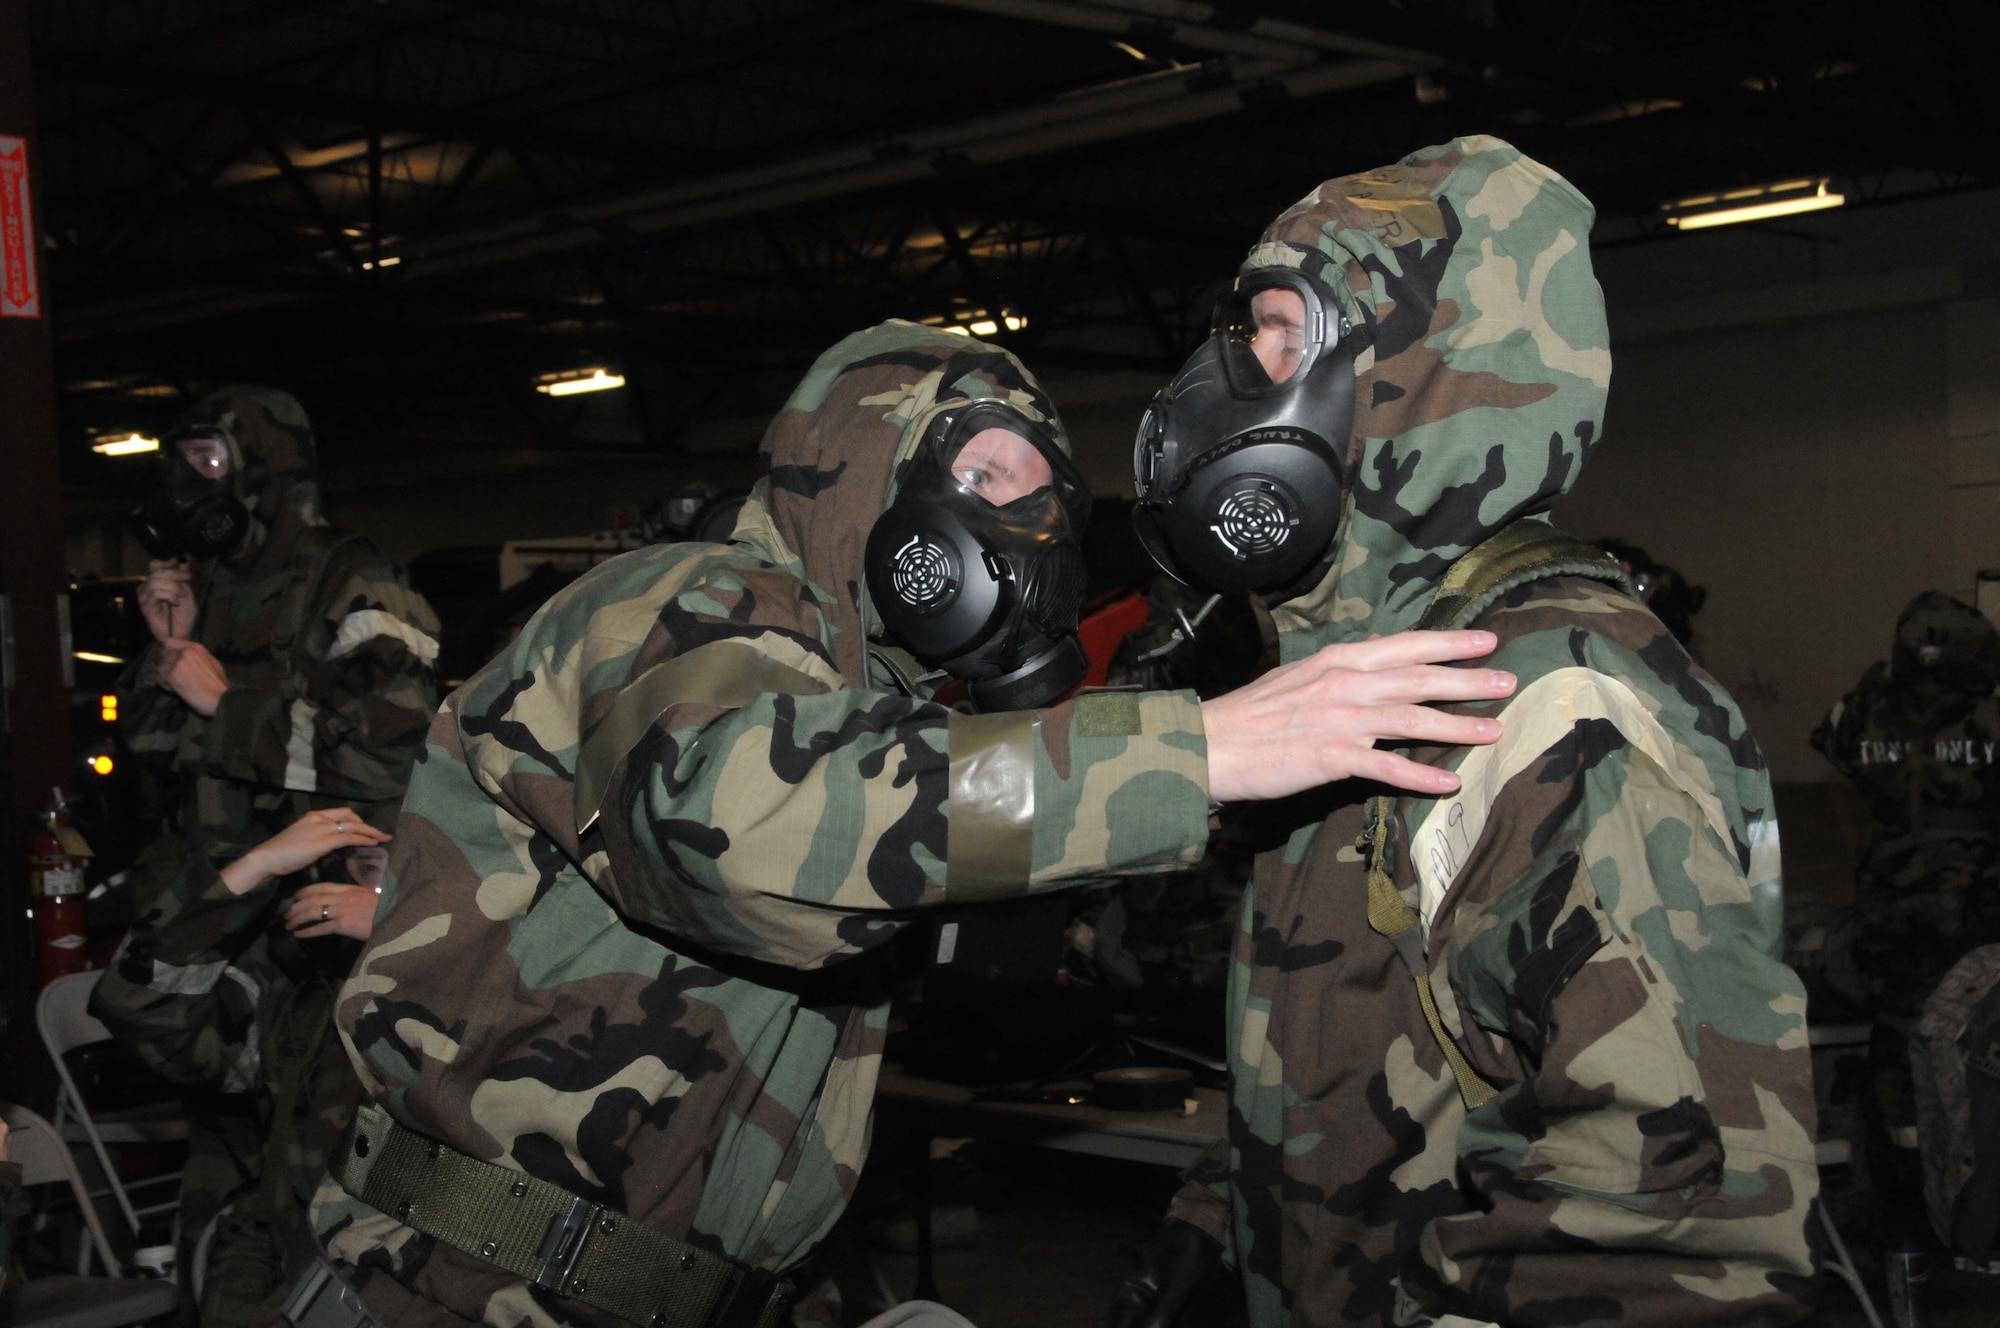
325	912
340	827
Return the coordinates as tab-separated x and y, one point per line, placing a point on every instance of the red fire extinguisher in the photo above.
56	854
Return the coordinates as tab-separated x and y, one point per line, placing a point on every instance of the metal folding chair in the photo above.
64	1019
73	1302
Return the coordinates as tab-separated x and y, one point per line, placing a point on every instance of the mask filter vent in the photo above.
925	574
1254	521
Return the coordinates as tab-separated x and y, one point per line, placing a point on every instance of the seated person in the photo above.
227	984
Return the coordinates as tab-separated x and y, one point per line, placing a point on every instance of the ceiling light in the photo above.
579	380
977	324
369	264
126	444
1756	204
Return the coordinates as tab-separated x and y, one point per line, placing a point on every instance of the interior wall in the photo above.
1814	475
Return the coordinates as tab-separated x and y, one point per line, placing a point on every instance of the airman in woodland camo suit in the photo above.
292	670
1920	735
621	1009
1610	1117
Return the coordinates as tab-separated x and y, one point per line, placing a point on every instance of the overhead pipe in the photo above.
1064	124
1096	18
1197	16
1134	106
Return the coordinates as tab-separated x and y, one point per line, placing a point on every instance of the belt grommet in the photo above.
519	1189
489	1249
403	1211
687	1260
659	1321
361	1145
435	1148
578	1287
606	1225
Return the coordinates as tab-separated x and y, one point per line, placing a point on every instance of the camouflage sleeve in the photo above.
151	719
803	828
1650	1155
1203	1200
357	720
13	1207
1838	738
180	993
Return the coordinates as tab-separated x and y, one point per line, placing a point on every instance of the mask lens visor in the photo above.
1269	335
998	465
207	454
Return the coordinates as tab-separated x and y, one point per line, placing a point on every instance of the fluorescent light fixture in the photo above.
92	657
369	264
125	444
581	380
979	325
1758	204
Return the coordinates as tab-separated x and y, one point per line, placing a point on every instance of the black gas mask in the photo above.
1240	462
188	514
988	593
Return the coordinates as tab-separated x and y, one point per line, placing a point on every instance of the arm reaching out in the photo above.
1317	719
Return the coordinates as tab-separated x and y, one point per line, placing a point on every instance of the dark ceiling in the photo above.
406	210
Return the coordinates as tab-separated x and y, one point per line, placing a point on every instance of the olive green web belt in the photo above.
555	1240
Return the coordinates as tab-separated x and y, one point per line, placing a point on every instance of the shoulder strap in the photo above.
1518	554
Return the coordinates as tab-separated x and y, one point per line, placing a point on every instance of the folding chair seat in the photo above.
62	1015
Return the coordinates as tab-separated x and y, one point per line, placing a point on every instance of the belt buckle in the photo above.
562	1245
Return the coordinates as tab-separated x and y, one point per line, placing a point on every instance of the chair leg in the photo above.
1844	1264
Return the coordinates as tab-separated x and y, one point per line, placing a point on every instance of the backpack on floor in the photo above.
1955	1066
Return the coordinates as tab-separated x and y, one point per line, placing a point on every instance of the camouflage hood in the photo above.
1481	370
835	452
274	461
1940	637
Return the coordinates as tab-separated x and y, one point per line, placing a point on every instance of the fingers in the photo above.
1405	648
1403	773
1421	683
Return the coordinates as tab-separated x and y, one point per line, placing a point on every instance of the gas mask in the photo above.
988	593
186	513
1240	463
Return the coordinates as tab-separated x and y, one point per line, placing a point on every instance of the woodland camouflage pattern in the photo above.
212	994
333	717
339	718
627	941
1920	734
1602	896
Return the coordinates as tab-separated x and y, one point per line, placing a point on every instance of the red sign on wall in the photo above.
20	297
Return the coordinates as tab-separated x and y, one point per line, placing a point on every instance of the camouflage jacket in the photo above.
330	655
211	993
625	944
1599	903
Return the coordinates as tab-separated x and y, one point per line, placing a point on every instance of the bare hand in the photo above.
1317	719
191	673
167	599
326	908
299	845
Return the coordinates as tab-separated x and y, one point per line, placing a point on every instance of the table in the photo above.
1162	1138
